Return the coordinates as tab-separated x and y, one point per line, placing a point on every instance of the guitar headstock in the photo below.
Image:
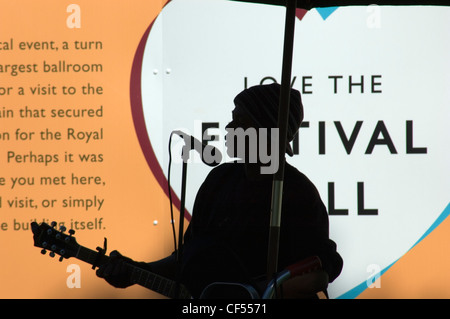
56	241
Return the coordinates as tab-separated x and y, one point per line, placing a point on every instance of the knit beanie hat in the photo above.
261	104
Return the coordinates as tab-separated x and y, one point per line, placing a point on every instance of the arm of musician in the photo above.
117	272
307	286
166	267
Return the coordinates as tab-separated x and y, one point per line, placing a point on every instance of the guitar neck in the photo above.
142	277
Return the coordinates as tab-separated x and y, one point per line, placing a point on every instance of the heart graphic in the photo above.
357	103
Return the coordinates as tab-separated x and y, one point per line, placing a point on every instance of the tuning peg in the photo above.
43	251
53	224
71	232
62	228
62	252
52	254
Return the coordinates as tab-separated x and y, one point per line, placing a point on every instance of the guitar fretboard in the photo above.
142	277
158	283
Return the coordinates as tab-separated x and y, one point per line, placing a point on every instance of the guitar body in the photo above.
66	246
228	290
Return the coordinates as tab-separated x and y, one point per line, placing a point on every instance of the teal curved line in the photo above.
356	291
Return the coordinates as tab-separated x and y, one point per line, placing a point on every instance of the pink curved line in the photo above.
139	121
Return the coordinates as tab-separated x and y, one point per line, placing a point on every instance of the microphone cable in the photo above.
172	221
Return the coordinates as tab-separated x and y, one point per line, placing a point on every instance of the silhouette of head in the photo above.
258	107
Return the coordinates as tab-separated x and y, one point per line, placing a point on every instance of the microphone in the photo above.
209	154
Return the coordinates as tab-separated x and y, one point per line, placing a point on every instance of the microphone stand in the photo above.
191	144
179	254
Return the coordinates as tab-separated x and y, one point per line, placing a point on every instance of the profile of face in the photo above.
239	122
249	144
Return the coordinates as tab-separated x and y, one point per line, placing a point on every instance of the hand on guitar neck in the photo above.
116	271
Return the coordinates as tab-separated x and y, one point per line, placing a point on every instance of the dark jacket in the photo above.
227	238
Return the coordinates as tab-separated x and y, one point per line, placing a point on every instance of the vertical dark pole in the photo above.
277	186
179	254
